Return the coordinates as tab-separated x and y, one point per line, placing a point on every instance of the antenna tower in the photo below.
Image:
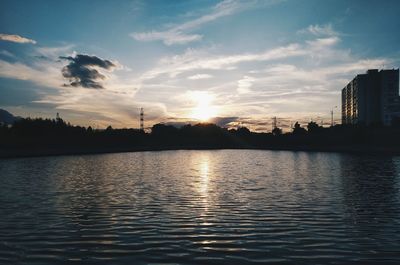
274	123
141	119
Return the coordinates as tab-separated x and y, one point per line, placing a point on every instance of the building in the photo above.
372	98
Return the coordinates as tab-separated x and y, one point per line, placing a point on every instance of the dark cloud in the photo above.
82	72
220	121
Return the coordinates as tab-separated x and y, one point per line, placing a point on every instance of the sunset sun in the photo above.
203	110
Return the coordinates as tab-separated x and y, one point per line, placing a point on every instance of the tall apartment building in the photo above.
371	98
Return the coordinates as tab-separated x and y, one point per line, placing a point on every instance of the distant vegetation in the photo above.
46	136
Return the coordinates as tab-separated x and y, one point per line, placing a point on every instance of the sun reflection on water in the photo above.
204	169
204	176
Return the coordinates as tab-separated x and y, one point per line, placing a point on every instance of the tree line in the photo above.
56	135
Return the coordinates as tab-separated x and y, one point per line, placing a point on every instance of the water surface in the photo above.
200	207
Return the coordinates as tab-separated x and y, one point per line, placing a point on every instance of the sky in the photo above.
231	62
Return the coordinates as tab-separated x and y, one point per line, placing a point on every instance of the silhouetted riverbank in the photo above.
16	153
61	152
38	137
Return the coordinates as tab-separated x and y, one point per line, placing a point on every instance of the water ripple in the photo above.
200	207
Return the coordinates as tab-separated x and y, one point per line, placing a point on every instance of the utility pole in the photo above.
332	121
141	119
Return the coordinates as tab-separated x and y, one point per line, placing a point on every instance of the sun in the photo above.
203	111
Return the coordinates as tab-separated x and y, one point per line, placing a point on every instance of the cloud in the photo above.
54	52
178	34
16	38
100	108
43	67
319	30
190	60
82	72
321	43
7	53
199	76
40	72
194	60
245	84
225	121
168	37
115	105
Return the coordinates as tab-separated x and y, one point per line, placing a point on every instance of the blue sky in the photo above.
232	62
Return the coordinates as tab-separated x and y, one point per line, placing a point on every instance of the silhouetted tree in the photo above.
298	130
313	127
162	129
276	131
243	131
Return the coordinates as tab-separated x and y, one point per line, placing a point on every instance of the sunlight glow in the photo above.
203	110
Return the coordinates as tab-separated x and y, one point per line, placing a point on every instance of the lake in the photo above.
201	207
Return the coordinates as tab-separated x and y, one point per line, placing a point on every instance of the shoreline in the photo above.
26	153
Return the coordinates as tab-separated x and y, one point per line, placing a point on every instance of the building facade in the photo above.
372	98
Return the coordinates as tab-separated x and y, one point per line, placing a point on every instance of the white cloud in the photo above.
195	60
56	51
321	43
178	34
16	38
245	84
42	73
320	30
168	37
199	76
198	59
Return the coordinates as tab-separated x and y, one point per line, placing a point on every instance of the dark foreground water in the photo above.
200	207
